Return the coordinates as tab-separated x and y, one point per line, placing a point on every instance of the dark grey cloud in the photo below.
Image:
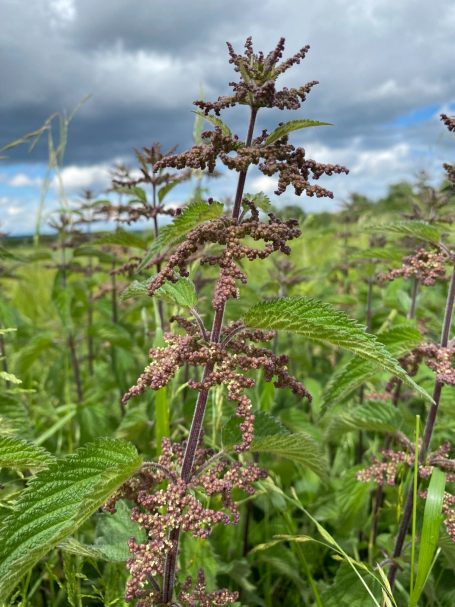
143	62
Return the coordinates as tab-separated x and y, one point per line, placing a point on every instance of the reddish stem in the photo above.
199	411
429	426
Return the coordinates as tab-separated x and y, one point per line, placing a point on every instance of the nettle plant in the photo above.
191	488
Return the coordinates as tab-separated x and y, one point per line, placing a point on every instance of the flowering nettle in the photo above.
387	471
190	488
425	266
164	502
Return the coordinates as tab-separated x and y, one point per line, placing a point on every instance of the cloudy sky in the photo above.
385	67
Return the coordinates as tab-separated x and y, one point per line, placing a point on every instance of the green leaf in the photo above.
19	454
112	534
348	591
389	254
195	213
321	323
272	438
432	519
5	331
165	189
373	417
72	568
264	425
122	238
416	229
10	377
301	448
140	194
215	121
292	125
260	200
181	293
399	340
138	288
58	501
13	416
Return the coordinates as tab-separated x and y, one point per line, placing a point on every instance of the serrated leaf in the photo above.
321	323
260	201
416	229
195	213
389	254
122	238
264	425
19	454
399	340
271	437
112	534
431	527
215	121
292	125
374	417
13	416
182	292
138	288
58	501
301	448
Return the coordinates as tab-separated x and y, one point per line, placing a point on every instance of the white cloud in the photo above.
12	211
63	11
378	163
78	178
21	180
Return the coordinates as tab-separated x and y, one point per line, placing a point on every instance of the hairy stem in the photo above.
199	411
396	396
415	288
429	426
158	265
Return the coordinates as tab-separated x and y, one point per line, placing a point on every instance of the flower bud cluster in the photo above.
387	471
281	157
229	362
199	597
425	266
229	233
258	73
164	502
450	168
439	359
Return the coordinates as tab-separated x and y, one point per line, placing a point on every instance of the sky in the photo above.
385	69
